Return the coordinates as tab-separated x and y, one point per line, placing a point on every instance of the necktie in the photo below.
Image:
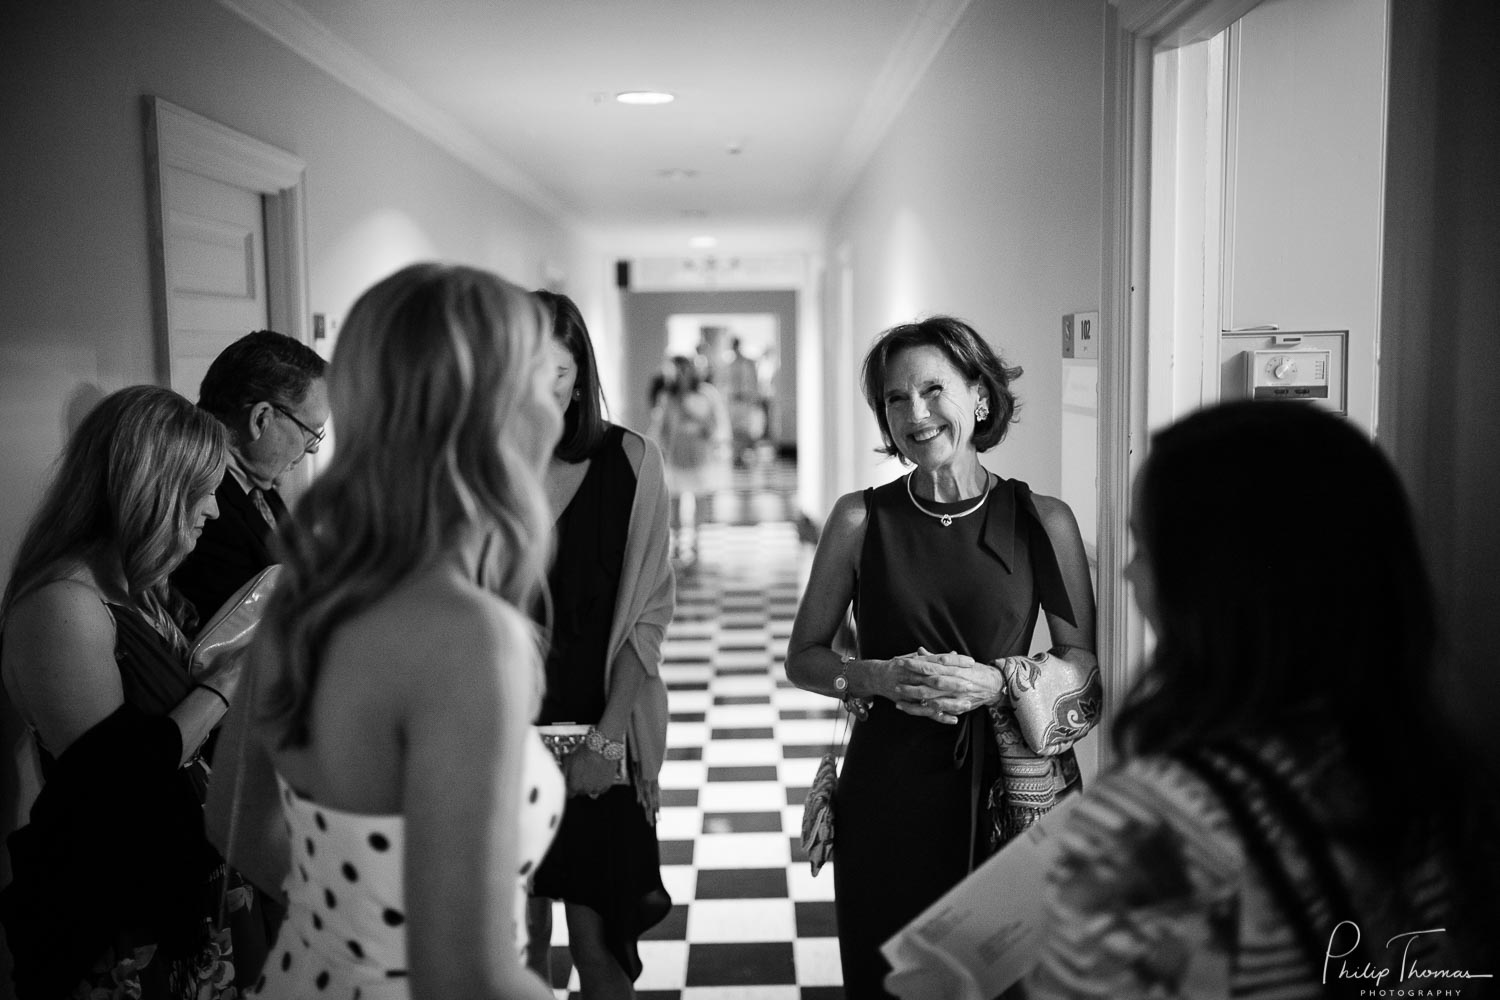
258	497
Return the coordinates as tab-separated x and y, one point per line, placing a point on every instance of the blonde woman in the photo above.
396	672
115	880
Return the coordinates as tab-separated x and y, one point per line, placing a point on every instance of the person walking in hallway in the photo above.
747	407
269	391
691	424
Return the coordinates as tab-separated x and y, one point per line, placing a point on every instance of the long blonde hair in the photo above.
427	386
122	498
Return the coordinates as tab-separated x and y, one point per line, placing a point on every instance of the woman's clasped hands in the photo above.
940	686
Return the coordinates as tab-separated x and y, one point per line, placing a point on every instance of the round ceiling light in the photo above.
703	242
645	97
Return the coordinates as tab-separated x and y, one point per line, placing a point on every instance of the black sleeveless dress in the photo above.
605	855
909	810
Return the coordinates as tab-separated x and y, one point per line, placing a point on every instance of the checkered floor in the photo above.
749	922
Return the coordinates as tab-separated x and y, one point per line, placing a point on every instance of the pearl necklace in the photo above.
947	519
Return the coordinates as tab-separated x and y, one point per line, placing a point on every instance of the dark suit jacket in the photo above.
233	547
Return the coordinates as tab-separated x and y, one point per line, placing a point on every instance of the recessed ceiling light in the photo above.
703	242
645	97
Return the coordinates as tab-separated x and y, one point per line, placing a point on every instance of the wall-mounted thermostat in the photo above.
1288	374
1271	364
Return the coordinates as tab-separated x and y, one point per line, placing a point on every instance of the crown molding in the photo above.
891	89
293	28
1172	23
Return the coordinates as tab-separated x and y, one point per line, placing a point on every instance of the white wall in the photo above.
75	308
1302	227
983	201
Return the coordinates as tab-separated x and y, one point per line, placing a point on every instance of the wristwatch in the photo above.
604	746
841	682
857	707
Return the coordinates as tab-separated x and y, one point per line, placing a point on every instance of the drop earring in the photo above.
982	411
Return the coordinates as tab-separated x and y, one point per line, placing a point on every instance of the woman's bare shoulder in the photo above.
58	659
1055	513
848	514
843	530
69	604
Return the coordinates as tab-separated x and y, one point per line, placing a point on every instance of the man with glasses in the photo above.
269	391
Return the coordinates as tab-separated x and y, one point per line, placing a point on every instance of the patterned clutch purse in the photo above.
562	738
1055	701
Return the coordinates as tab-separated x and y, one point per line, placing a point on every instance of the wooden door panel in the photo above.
216	271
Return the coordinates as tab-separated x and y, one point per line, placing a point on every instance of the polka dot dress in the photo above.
345	930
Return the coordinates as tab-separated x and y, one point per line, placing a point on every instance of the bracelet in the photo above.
611	750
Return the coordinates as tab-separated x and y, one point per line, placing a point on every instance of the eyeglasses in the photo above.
317	436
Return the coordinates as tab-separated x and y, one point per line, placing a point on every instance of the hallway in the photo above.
748	921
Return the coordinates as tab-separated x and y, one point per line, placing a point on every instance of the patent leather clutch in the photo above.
233	625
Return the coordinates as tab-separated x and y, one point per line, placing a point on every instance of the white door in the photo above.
216	271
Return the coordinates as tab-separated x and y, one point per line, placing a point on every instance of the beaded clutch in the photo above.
562	738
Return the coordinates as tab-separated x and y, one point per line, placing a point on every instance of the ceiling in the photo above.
779	102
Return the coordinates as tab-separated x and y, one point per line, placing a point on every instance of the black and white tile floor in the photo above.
749	922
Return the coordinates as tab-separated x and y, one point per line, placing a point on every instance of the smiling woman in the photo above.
948	571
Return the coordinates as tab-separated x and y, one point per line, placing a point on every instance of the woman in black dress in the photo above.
116	886
611	597
947	569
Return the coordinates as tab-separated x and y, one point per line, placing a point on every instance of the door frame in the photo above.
1135	30
177	137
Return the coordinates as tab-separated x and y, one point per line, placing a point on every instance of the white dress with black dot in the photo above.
345	931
